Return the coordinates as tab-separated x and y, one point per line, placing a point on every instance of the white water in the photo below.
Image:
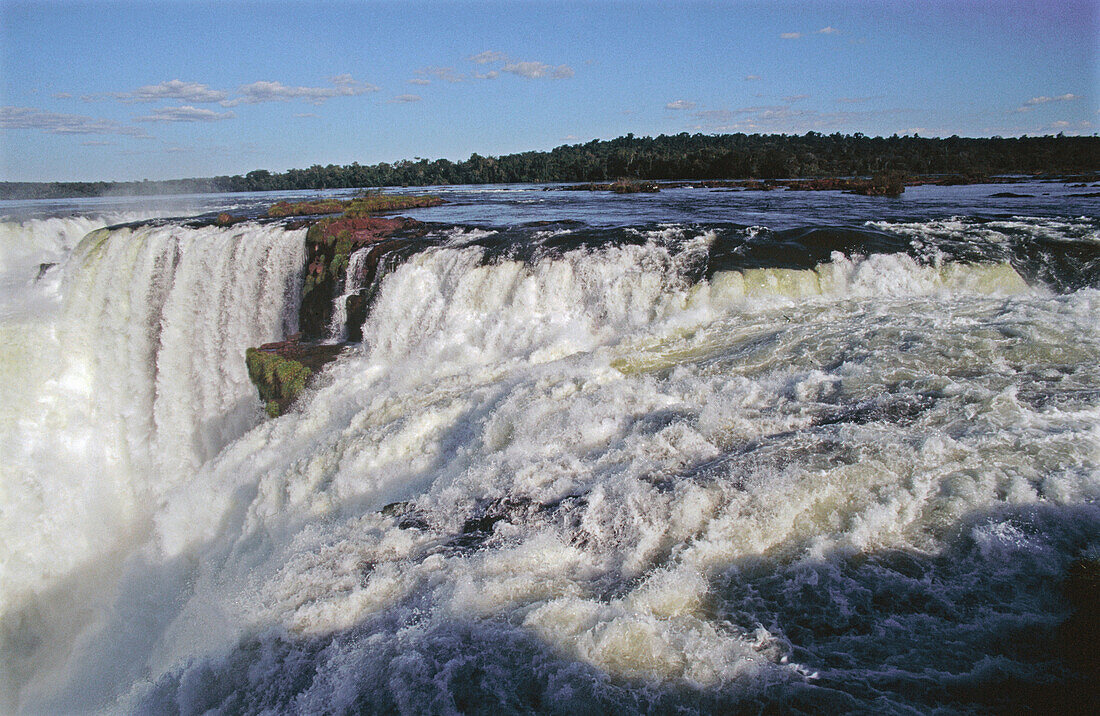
662	455
128	379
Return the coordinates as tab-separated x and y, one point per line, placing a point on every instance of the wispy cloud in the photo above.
192	92
186	113
487	57
795	97
264	91
97	143
751	78
782	118
61	95
1036	101
446	74
829	30
419	81
304	115
538	70
405	98
714	115
680	104
528	69
854	100
54	123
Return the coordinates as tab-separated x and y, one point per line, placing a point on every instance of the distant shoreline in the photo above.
811	161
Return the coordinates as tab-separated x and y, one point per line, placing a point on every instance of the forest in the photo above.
665	157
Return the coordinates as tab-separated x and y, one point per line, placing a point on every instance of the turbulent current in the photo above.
572	466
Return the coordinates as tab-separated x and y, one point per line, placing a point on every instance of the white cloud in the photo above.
186	113
304	115
447	74
1060	98
404	98
538	70
193	92
61	95
487	57
54	123
680	104
419	81
532	70
827	31
791	35
751	78
264	91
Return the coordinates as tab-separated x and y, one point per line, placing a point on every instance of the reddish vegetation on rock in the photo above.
359	206
358	230
306	208
227	219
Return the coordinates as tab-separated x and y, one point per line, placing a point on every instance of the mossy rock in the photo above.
281	371
279	380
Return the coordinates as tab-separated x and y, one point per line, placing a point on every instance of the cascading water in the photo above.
130	384
613	477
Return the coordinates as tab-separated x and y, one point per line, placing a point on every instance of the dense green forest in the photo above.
680	156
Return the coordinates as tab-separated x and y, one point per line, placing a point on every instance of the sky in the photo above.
159	90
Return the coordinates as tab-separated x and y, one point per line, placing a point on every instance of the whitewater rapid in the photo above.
585	481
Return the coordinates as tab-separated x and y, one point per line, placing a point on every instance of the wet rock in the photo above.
329	245
225	219
281	371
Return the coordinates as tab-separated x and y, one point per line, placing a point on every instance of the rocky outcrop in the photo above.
366	205
281	371
329	245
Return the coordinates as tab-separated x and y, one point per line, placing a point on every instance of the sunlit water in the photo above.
692	451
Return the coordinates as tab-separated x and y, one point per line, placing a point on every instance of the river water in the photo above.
692	451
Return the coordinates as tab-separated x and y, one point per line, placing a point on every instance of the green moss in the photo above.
279	380
366	205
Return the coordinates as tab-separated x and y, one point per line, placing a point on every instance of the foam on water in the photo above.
586	483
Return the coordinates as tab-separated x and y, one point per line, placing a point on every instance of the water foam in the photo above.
586	482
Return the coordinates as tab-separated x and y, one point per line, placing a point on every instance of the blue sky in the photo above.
157	90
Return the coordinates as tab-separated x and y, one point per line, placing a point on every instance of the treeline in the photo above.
680	156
